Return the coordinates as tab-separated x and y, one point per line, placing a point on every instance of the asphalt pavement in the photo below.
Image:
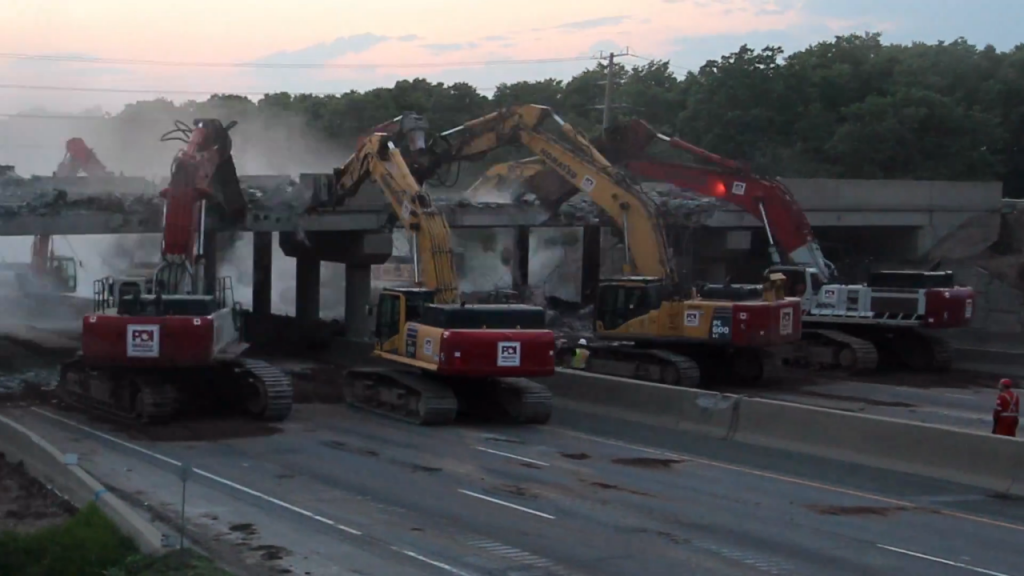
341	491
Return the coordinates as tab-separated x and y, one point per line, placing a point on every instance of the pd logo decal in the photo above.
143	341
508	353
692	318
786	321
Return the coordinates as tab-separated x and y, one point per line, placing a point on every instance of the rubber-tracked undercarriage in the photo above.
157	396
426	399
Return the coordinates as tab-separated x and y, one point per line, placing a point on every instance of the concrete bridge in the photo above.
356	235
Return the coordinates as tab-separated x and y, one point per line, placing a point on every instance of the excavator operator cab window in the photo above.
620	303
389	317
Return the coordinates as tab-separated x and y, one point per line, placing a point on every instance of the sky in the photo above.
443	40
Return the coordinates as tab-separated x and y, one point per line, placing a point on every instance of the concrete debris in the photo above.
677	207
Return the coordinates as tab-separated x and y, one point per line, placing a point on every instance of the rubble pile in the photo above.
678	207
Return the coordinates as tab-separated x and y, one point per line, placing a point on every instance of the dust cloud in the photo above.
264	143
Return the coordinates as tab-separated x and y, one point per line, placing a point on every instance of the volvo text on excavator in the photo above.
650	327
440	356
893	316
152	350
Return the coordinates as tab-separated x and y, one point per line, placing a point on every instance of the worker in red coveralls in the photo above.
1006	416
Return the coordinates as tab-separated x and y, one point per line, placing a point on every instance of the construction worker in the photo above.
580	355
1006	416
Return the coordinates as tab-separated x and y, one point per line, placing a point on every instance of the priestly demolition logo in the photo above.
143	341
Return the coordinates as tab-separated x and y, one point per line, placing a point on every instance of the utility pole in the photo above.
609	81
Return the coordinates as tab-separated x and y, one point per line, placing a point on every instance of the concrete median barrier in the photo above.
982	460
700	411
991	462
48	464
1006	363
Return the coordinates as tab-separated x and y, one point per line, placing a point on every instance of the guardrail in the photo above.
48	465
991	462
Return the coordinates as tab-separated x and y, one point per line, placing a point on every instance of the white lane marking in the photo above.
206	474
959	396
440	565
503	503
941	561
507	455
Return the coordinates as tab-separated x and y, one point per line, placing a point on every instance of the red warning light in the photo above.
718	188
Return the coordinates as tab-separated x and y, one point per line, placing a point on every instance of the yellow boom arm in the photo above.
580	163
379	160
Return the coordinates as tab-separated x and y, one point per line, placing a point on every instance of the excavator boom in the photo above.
764	198
380	160
581	164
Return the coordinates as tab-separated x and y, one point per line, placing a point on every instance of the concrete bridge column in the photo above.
357	298
307	289
521	259
262	273
591	265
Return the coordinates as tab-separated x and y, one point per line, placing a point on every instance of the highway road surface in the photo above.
339	491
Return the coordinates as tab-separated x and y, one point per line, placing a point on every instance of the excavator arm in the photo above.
379	160
580	163
766	199
78	157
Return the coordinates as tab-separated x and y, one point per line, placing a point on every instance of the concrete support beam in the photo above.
357	298
591	264
521	259
262	273
208	275
307	289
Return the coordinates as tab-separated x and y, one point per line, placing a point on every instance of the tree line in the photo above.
852	107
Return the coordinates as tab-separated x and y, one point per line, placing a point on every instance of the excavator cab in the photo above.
624	299
797	280
64	274
395	308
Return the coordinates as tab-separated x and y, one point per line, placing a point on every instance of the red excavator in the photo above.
78	158
150	350
896	313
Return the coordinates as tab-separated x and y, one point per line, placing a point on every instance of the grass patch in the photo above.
185	562
90	544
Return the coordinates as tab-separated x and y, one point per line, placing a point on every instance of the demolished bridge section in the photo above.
121	205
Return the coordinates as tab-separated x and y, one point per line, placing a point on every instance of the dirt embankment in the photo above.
26	504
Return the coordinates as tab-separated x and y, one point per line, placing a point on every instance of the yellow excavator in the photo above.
649	327
451	357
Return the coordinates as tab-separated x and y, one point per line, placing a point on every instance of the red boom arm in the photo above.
766	199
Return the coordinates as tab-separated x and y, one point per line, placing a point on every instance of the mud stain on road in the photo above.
576	455
337	445
606	486
649	463
882	511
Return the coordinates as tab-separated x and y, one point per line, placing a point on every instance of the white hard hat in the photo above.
582	342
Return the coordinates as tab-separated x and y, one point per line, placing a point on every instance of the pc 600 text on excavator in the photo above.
152	349
649	326
440	357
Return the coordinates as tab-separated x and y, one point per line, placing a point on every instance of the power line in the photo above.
281	66
169	91
143	90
